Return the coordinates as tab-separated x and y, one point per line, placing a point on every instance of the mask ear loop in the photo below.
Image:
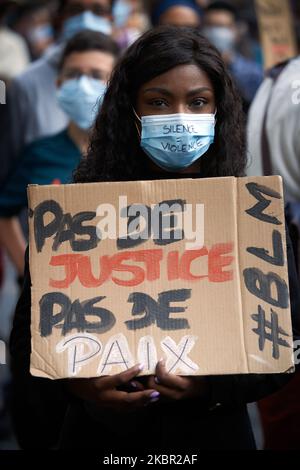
135	123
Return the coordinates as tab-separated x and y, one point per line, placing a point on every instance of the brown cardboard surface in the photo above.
215	305
277	31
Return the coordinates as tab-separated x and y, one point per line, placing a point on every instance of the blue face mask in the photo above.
121	12
85	20
176	141
221	37
80	99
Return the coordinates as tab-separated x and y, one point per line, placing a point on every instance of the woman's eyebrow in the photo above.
199	90
162	91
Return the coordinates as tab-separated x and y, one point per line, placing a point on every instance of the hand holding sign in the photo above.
104	391
175	387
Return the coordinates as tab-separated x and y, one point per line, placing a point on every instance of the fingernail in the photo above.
156	380
141	366
133	384
162	361
153	400
154	394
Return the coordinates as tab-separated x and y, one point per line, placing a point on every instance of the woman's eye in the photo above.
97	75
158	103
199	102
71	75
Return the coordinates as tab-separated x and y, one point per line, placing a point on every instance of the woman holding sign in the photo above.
174	81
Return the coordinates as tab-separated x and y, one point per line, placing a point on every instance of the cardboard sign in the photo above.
192	270
276	31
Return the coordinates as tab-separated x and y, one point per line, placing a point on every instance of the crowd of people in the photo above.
79	76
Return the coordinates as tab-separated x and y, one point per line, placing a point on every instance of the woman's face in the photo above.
183	89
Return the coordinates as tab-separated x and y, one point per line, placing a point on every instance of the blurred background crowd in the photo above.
56	57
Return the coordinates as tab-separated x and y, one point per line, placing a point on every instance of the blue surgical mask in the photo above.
85	20
222	37
80	99
41	33
121	12
176	141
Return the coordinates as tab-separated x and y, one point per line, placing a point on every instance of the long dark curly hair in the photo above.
115	153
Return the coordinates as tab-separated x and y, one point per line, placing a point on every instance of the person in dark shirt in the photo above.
85	68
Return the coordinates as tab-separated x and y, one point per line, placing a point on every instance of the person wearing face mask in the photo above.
79	15
130	21
171	81
84	70
32	111
32	20
220	28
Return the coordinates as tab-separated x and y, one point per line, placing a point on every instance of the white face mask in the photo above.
176	141
221	37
